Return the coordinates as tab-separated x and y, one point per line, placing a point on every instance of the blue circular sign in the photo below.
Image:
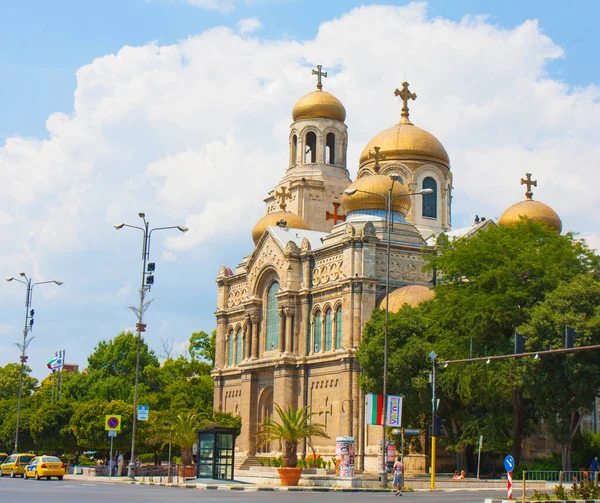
509	463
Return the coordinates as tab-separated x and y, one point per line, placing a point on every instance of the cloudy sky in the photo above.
181	109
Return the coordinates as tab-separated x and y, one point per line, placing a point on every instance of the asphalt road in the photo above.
55	491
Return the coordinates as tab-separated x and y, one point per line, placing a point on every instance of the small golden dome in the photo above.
378	185
319	105
534	210
412	295
292	221
405	141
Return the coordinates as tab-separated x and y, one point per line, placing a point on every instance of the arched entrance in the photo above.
265	410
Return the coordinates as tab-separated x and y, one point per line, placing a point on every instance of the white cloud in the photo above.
248	25
218	5
197	136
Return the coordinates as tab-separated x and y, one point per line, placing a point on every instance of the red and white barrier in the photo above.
509	478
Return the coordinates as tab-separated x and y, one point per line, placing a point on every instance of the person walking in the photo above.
397	472
593	469
120	462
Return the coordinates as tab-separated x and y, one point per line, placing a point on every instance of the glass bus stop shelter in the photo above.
216	448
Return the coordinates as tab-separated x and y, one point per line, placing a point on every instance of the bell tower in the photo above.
317	175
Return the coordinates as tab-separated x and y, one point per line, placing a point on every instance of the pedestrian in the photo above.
111	466
397	472
120	462
594	468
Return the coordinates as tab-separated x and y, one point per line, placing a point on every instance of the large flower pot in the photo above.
289	476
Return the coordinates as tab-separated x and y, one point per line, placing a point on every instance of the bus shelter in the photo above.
216	448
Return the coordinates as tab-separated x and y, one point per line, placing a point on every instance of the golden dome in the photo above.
319	105
534	210
292	220
412	295
377	184
404	141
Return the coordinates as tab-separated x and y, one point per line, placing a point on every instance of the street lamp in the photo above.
433	356
23	347
145	287
389	198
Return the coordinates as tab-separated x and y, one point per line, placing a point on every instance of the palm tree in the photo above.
292	426
181	431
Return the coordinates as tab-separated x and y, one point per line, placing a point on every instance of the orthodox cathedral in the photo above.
291	314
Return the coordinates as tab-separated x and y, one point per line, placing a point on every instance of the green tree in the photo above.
51	429
203	346
575	377
9	381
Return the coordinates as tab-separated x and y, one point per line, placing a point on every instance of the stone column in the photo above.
220	349
281	331
247	339
255	319
289	314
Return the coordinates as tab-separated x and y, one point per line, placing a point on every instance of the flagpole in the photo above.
62	365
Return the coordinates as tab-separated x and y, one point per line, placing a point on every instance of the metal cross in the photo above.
530	183
334	216
284	195
319	74
377	157
405	95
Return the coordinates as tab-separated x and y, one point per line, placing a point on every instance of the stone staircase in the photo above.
242	463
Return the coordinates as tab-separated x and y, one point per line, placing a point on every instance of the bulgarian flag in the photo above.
374	412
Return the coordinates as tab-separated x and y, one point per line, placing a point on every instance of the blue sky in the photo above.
114	107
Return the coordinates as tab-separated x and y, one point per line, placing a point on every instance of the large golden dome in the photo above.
319	105
412	295
378	186
292	221
404	141
534	210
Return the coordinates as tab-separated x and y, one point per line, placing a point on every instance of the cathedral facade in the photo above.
291	314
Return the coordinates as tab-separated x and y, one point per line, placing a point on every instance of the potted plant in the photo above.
291	426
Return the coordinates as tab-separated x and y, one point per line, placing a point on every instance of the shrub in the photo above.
560	493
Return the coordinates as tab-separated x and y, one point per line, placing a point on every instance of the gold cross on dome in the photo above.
377	157
284	195
319	74
530	183
405	95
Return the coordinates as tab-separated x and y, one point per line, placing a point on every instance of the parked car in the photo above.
3	457
15	464
45	466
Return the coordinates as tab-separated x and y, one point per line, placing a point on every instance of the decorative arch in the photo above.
400	169
294	150
265	410
330	148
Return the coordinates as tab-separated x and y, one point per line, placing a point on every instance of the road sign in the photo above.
412	432
509	463
112	422
510	484
141	327
142	412
112	433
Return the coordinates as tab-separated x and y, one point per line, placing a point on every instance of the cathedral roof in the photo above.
274	218
405	141
371	193
412	295
533	210
284	235
319	104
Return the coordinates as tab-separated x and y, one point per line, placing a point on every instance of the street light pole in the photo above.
433	356
388	217
26	341
140	326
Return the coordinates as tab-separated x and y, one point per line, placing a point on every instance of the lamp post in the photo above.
140	326
389	199
23	347
433	356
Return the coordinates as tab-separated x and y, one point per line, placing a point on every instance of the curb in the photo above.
241	488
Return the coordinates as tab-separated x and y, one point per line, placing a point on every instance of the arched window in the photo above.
272	337
239	346
338	328
317	343
294	150
328	330
330	148
311	148
230	344
430	200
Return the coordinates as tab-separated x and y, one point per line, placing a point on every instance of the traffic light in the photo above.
519	343
31	313
150	280
151	267
438	427
570	334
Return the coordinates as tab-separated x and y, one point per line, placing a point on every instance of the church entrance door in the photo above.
265	410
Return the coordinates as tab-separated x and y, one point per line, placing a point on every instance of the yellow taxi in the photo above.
15	464
45	466
3	457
